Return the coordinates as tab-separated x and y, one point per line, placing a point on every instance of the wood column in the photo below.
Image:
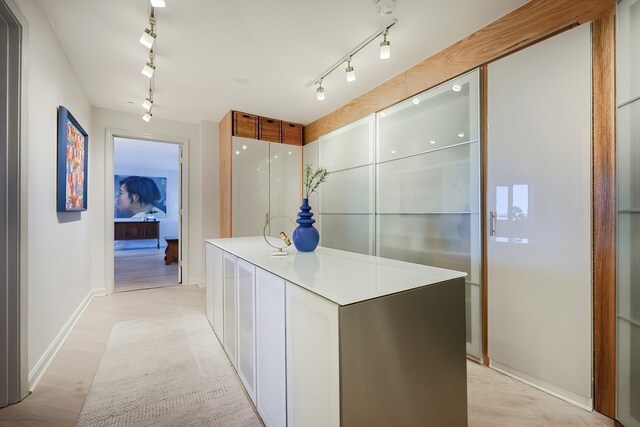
225	131
604	213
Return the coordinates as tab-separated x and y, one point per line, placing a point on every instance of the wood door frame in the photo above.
110	195
14	369
604	213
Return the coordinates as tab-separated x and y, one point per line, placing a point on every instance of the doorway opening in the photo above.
146	214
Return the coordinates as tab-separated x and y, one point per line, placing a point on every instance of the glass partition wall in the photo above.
628	155
405	184
428	186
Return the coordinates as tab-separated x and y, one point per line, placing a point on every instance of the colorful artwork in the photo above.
72	163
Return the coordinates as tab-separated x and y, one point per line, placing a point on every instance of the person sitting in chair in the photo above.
137	195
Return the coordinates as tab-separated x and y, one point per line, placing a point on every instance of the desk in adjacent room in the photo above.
137	230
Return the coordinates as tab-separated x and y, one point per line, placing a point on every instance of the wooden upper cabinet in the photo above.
245	125
292	133
270	129
266	129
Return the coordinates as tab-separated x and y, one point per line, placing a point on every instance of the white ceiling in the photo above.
251	55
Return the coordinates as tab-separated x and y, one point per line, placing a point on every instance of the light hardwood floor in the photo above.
142	269
494	399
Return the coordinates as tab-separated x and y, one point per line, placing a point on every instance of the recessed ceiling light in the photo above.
237	152
456	88
461	134
416	101
432	142
393	151
244	147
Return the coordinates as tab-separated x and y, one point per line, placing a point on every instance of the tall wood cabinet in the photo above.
260	174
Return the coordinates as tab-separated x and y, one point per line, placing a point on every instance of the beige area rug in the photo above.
166	371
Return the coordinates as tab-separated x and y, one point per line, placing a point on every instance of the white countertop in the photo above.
339	276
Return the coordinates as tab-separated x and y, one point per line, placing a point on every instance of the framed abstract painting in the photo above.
73	151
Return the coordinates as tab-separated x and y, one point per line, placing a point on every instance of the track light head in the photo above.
351	74
148	69
147	38
147	116
320	92
147	104
385	47
158	3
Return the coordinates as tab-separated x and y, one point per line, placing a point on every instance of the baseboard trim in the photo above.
566	395
41	366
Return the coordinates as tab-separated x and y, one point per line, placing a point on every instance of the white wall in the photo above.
131	125
58	244
210	181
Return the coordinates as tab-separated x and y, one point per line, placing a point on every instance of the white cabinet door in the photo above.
208	280
216	265
313	383
284	187
249	186
246	326
270	343
230	309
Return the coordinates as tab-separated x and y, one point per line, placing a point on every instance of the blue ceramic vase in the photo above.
305	236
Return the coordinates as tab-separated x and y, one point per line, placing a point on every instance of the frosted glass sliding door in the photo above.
347	198
539	193
628	155
428	186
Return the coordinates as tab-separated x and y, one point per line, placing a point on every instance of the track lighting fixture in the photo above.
147	104
148	37
385	52
158	3
147	116
148	69
385	47
351	74
320	92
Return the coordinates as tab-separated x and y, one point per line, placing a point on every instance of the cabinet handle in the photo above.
269	121
292	125
492	228
246	116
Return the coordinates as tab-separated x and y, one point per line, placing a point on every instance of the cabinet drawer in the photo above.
292	133
245	125
270	130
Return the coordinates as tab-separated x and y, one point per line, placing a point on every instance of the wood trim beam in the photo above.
604	213
530	23
224	129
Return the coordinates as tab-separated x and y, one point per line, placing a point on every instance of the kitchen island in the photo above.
332	338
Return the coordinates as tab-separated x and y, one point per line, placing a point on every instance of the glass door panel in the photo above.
428	186
628	181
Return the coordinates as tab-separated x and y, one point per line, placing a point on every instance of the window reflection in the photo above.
512	212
